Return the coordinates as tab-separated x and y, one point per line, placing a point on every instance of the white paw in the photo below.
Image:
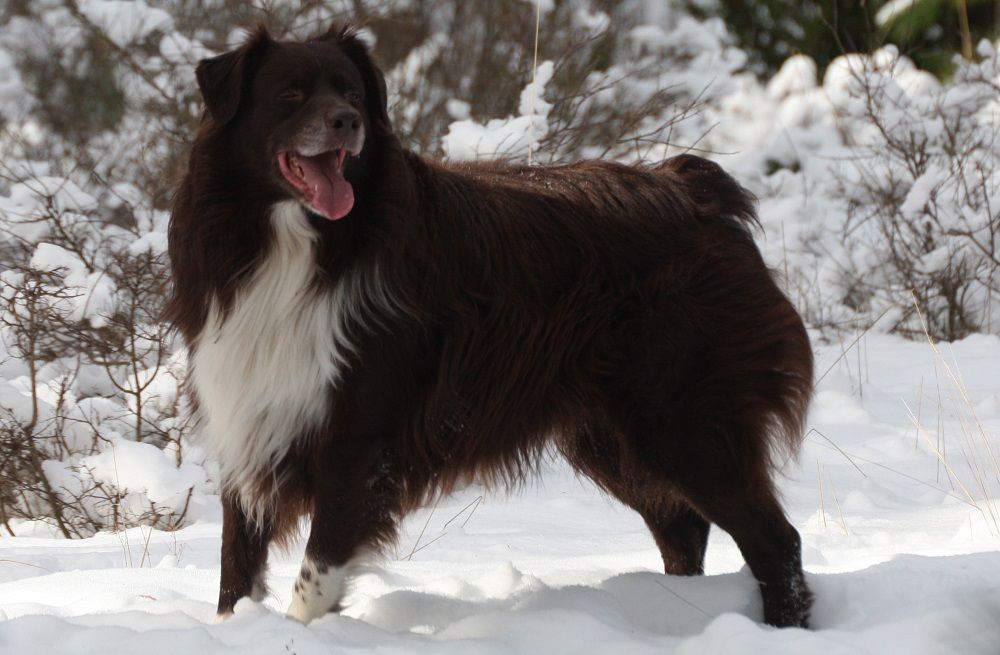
318	590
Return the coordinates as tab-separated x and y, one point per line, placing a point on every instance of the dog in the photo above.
368	328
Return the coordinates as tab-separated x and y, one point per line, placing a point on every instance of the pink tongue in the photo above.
329	193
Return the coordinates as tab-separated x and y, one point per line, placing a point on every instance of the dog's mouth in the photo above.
320	180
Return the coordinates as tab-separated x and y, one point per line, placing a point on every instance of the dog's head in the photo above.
301	116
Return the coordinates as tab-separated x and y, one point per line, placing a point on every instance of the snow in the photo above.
154	242
503	137
532	102
458	109
125	21
796	75
145	468
89	293
890	10
898	555
50	257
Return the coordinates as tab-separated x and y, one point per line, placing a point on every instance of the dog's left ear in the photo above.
376	96
222	79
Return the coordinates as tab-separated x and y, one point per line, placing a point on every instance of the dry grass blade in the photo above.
822	504
970	445
844	352
474	505
988	513
34	566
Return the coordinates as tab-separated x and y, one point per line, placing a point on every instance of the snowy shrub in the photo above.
879	187
89	380
93	109
922	192
614	79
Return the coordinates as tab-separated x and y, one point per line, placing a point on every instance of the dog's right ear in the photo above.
223	79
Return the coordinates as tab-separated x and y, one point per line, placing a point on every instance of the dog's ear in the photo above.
376	97
223	79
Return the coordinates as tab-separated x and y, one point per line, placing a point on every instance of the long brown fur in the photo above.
622	314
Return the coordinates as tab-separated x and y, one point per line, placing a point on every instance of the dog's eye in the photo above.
353	96
292	95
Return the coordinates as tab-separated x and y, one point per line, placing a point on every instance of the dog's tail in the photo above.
777	342
713	192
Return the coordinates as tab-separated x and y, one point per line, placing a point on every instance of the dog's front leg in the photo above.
355	508
244	556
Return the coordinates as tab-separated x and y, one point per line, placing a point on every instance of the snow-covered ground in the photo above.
901	530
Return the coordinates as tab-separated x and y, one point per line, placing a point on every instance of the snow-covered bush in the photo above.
612	80
95	99
89	382
923	192
878	187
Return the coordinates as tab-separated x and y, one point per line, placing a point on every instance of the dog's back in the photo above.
567	291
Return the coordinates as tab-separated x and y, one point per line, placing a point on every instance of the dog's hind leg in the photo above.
244	556
681	534
769	543
727	479
355	502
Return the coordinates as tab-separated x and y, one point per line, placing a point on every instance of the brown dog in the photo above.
366	327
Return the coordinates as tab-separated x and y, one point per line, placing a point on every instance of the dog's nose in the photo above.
344	121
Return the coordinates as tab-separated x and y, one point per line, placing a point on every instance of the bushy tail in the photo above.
712	190
795	369
772	342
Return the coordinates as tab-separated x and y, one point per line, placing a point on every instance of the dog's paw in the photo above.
220	617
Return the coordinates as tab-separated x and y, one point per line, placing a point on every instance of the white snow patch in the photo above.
126	21
504	137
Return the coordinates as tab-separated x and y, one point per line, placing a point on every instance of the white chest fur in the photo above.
263	374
